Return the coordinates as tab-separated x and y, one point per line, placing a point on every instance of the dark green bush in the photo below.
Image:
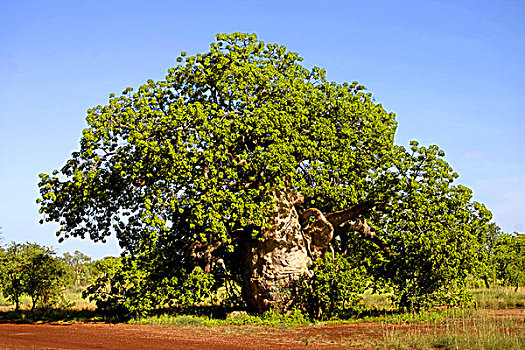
336	286
134	290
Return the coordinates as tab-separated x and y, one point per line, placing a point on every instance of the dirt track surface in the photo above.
128	337
83	336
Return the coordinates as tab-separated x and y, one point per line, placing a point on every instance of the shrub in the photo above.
337	285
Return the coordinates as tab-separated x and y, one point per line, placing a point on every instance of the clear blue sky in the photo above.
452	71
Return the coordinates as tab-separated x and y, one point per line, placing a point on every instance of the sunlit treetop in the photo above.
206	148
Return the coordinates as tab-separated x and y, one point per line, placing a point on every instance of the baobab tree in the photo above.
244	160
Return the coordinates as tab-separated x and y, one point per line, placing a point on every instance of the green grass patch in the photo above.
177	320
499	297
269	319
377	300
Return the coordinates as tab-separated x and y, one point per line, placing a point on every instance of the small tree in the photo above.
44	278
79	268
488	271
30	269
107	266
510	258
12	268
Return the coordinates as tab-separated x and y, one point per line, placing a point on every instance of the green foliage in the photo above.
271	318
106	291
80	269
195	287
504	261
107	266
433	230
182	170
12	274
43	278
336	286
509	258
130	290
488	272
31	269
191	159
205	148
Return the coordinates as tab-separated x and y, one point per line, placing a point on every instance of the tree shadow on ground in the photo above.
49	316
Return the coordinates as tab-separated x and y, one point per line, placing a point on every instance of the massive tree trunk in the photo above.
271	265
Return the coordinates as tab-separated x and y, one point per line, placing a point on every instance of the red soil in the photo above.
128	337
80	336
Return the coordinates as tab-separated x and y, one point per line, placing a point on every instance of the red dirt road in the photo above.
127	337
93	336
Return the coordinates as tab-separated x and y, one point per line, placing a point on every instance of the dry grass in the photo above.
479	329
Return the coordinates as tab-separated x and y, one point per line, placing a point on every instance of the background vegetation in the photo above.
33	277
343	297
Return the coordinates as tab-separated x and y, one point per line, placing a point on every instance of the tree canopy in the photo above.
243	160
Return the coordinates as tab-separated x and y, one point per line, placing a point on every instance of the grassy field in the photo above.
499	297
72	300
478	329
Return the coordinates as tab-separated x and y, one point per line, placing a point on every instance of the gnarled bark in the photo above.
289	246
274	262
